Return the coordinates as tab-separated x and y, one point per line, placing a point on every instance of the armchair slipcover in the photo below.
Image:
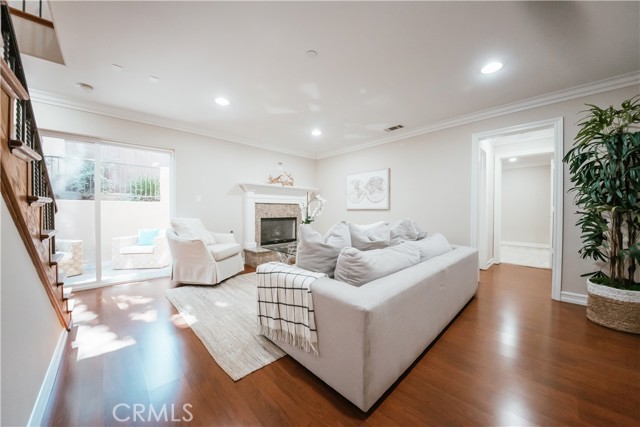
200	256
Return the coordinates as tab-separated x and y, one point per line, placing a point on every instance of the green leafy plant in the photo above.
604	164
83	181
145	188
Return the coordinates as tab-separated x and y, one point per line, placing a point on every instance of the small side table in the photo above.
286	251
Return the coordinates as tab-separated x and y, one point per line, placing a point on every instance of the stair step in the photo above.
47	234
56	258
70	304
38	200
61	278
66	292
23	151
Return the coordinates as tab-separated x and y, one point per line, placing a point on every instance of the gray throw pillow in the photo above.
357	267
370	236
406	229
431	246
319	253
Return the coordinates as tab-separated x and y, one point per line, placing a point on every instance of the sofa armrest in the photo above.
369	335
342	341
121	242
160	242
223	237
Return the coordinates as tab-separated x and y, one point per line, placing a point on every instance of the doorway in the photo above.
538	147
114	202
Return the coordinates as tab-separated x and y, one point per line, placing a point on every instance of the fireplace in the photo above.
278	230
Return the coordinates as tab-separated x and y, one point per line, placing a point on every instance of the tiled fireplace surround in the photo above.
275	210
267	201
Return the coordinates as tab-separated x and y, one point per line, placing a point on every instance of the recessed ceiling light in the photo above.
154	79
513	159
311	53
316	132
85	87
117	68
491	67
222	101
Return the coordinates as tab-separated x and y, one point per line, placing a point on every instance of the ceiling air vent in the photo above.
392	128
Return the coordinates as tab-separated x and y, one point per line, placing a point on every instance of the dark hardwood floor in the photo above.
512	357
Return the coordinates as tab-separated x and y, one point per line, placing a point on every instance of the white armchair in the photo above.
127	253
200	256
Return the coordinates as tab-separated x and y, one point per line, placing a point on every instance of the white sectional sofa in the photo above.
369	335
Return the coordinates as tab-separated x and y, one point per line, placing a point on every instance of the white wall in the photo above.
26	313
204	166
427	183
526	204
431	178
430	174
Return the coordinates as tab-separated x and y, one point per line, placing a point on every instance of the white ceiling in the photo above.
378	64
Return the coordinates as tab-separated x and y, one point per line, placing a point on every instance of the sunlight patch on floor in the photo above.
92	341
148	316
125	301
183	320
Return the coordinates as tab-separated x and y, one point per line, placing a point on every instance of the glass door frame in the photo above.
98	199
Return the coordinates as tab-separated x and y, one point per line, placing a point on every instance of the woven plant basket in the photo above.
614	308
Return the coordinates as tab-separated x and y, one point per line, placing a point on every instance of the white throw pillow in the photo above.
319	253
431	246
406	229
357	267
370	236
192	228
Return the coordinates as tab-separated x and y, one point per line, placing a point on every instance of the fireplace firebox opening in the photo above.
278	230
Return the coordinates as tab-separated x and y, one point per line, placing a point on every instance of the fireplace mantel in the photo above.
266	193
275	189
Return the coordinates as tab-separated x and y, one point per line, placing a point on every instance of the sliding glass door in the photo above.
114	203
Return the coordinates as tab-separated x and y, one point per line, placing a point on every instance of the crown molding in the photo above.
593	88
49	98
606	85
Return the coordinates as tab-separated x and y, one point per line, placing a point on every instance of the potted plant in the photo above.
604	164
308	214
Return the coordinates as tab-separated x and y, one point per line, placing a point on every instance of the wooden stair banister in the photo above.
31	17
26	187
23	151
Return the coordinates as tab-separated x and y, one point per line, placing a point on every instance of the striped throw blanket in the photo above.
285	307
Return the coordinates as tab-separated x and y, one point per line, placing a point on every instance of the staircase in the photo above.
26	187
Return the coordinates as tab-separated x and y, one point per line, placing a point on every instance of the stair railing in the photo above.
24	142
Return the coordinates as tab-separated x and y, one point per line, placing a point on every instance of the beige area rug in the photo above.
224	317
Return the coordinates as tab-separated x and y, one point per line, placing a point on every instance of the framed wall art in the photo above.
368	190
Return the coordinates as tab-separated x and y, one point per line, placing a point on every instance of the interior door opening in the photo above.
517	197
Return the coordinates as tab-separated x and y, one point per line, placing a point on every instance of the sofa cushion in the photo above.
431	246
222	251
357	267
370	236
192	228
138	249
319	253
406	229
147	235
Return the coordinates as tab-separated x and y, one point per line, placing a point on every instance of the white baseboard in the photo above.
573	298
526	244
47	384
95	285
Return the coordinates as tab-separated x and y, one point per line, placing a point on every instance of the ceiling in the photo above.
378	64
